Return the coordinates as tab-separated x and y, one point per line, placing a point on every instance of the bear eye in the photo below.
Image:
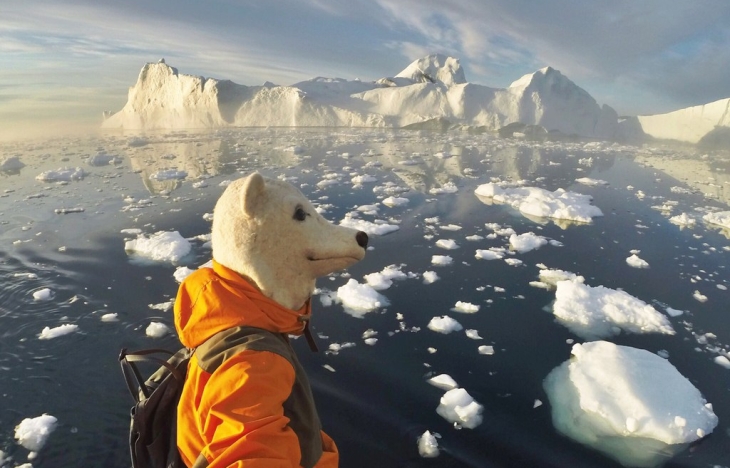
300	214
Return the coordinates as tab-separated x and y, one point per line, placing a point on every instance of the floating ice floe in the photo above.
102	159
591	182
384	279
525	242
49	333
458	407
169	174
428	446
465	307
359	299
683	220
486	349
377	228
448	244
395	201
444	324
164	246
600	312
156	330
181	273
722	361
636	262
553	276
537	202
363	179
430	277
110	317
64	174
443	381
720	218
448	187
45	294
628	403
441	260
11	164
490	254
33	433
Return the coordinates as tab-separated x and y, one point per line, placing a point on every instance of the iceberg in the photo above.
431	92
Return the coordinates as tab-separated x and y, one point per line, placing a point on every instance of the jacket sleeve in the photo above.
243	415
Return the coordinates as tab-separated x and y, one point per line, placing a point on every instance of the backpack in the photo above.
153	428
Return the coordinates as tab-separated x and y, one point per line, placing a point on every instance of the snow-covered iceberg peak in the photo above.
548	98
435	68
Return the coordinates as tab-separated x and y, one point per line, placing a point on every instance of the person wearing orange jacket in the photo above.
249	403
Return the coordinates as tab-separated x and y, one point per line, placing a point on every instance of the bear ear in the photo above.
251	193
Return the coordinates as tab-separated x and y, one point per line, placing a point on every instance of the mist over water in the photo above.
374	400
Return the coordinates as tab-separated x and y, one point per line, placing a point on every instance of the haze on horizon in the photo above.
66	61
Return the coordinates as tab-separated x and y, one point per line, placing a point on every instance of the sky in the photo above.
64	62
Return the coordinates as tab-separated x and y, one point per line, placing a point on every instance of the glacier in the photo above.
431	92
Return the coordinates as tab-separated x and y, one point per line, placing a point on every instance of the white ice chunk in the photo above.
358	299
444	324
181	273
110	317
430	277
385	278
683	220
377	228
486	349
458	407
482	254
599	312
465	307
33	433
64	174
525	242
636	262
533	201
448	244
722	361
395	201
720	218
162	246
591	182
628	403
45	294
157	330
443	381
441	260
428	446
49	333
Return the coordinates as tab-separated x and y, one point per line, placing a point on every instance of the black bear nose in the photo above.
362	239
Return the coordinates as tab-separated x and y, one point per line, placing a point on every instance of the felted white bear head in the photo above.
269	232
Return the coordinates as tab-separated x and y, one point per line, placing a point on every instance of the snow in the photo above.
636	262
525	242
534	201
49	333
626	402
444	324
157	330
163	246
599	312
358	299
33	433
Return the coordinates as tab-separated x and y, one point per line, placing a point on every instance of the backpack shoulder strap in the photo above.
228	343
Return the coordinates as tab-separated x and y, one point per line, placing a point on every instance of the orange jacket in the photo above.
234	416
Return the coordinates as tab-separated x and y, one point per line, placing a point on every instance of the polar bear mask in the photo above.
269	232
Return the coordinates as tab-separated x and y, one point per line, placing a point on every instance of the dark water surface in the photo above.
377	402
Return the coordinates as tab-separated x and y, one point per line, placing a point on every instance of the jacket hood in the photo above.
211	300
